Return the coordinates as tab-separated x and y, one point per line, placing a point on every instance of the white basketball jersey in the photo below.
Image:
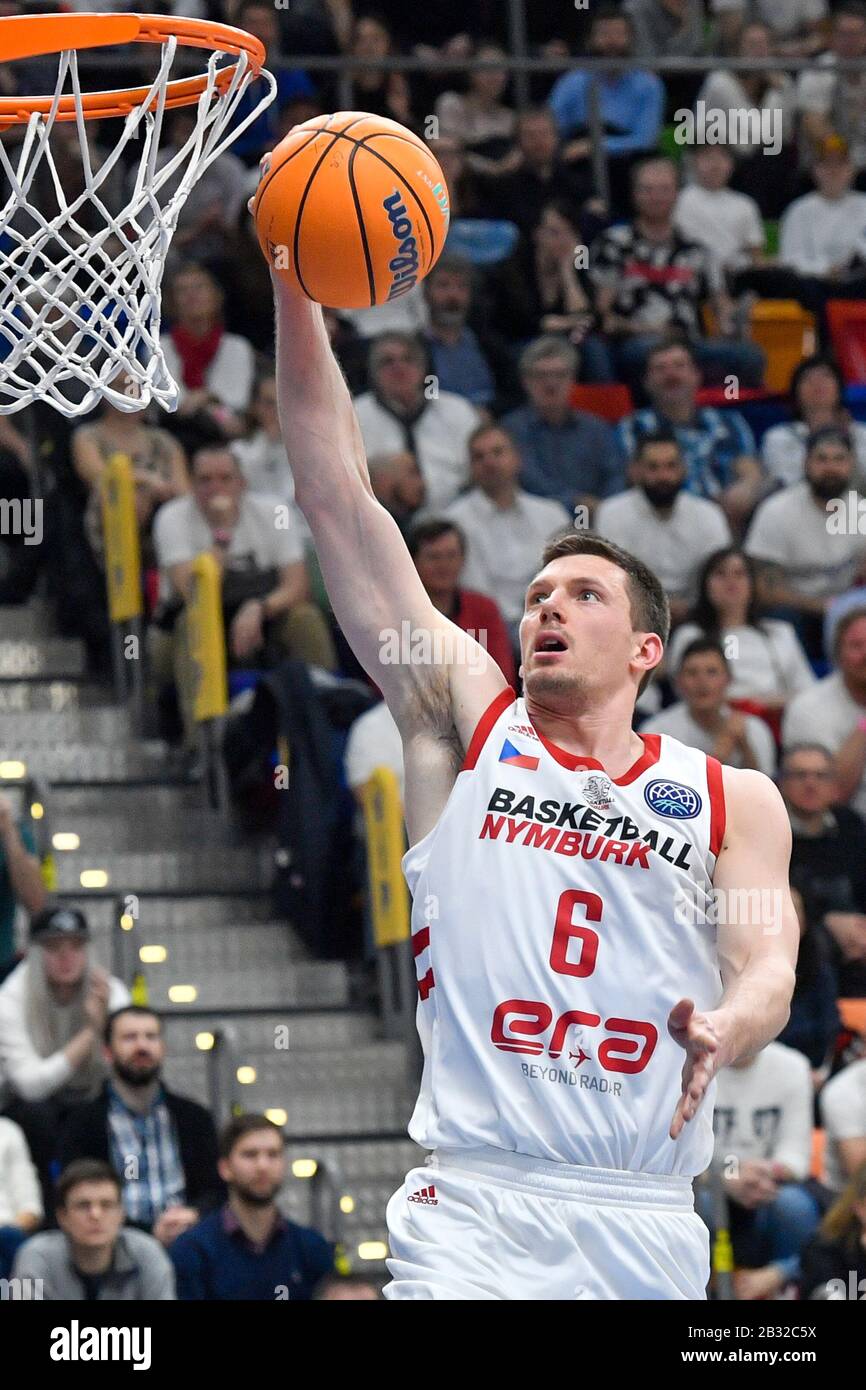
558	916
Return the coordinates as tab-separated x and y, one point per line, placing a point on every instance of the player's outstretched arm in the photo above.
371	579
757	940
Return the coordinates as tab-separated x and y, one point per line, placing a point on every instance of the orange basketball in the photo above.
352	209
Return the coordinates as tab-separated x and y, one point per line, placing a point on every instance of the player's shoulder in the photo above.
752	798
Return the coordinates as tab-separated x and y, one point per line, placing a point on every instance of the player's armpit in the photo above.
758	933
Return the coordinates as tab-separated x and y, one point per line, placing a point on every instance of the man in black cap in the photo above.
53	1009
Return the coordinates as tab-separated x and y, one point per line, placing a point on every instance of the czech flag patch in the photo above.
515	758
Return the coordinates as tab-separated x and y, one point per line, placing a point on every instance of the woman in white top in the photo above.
760	90
762	96
478	117
816	401
767	663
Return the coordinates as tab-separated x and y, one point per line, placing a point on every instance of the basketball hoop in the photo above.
79	308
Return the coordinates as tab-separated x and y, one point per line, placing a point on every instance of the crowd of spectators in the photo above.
475	395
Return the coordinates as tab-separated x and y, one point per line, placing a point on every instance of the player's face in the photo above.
702	682
576	634
256	1166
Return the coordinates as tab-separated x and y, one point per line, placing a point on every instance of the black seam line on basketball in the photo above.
409	189
341	135
301	205
371	278
323	130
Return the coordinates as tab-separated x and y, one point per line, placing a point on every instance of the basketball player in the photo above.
578	984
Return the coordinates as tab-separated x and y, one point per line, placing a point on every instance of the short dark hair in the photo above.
533	112
852	7
817	363
650	610
659	436
452	264
637	169
667	346
433	529
84	1170
794	748
140	1009
489	427
610	11
700	647
214	448
829	434
242	1125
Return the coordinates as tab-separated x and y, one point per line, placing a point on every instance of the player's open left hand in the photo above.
696	1034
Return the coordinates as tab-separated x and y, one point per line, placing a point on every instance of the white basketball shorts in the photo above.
484	1223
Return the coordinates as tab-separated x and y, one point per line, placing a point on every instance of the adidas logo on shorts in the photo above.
426	1196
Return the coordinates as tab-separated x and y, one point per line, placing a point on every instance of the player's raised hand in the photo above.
697	1035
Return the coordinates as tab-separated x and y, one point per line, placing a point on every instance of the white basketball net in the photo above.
80	311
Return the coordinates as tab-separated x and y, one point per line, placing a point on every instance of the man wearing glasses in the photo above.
828	858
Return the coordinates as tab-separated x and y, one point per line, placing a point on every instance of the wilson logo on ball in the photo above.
404	266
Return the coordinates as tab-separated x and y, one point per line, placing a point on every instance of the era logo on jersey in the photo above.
528	1026
514	758
672	799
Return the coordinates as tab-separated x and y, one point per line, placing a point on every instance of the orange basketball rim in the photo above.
34	36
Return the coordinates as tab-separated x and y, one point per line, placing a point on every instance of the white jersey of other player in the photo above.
558	916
